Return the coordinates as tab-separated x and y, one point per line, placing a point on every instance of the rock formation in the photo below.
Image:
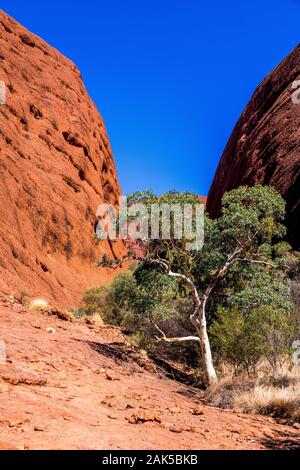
264	147
56	167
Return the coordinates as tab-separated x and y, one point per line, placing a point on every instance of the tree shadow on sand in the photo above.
282	441
123	354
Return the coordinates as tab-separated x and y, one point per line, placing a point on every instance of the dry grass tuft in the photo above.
38	304
222	394
270	400
96	317
277	395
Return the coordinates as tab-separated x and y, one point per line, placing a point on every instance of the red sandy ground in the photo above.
84	387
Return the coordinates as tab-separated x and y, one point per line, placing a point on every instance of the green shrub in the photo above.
276	330
133	300
235	341
77	313
244	341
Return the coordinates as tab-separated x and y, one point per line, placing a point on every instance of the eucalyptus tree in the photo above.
240	244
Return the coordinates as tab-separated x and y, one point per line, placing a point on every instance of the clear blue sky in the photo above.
170	77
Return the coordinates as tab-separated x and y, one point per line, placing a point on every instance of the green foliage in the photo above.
235	340
277	328
148	197
158	284
244	341
252	223
102	299
96	299
256	212
240	269
140	196
264	288
134	299
251	220
78	313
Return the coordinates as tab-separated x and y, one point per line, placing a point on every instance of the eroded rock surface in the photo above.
56	167
264	147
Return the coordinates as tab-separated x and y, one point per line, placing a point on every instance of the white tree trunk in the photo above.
205	349
198	320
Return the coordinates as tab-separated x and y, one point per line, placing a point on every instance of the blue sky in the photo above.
169	77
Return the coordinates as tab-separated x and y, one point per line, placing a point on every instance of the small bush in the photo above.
96	300
77	313
105	261
235	340
132	300
276	330
245	341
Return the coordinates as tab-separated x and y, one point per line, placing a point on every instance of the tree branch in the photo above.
124	260
231	258
262	263
166	265
182	339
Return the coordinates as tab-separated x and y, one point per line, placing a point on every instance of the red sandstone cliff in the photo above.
265	144
56	167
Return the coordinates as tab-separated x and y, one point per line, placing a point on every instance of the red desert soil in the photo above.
56	168
83	387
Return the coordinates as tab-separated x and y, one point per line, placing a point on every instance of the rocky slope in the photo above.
265	144
56	167
73	385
